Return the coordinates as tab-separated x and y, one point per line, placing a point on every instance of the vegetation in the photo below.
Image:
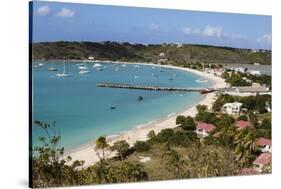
188	55
173	153
48	169
246	79
252	103
122	148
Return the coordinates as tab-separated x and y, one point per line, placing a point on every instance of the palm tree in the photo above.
101	144
245	145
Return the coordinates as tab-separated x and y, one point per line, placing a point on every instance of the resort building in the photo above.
248	171
264	144
246	91
261	161
232	108
204	129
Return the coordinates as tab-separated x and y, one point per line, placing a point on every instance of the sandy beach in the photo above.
87	152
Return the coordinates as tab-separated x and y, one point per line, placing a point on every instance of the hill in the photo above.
161	53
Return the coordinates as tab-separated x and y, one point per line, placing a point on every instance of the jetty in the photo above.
155	88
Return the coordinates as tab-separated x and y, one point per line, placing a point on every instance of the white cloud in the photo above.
266	38
65	12
43	10
189	30
213	31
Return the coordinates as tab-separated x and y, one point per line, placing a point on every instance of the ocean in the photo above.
82	111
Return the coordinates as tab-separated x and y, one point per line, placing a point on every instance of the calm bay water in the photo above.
82	111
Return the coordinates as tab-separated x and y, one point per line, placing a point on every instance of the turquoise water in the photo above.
82	111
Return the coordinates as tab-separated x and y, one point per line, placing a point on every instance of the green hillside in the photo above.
171	53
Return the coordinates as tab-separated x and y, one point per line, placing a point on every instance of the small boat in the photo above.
82	67
112	107
123	65
96	65
64	73
52	69
40	65
140	98
80	64
154	75
171	79
99	69
117	69
161	70
136	77
137	66
84	72
201	80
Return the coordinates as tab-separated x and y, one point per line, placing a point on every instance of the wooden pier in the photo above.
155	88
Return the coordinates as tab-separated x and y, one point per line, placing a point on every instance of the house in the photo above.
242	124
232	108
204	129
255	72
246	91
261	161
264	144
248	171
91	58
162	54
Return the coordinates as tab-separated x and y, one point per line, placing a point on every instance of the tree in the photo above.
101	145
207	117
122	148
242	117
188	124
245	145
225	121
49	167
141	146
180	120
201	108
151	135
253	119
173	162
266	124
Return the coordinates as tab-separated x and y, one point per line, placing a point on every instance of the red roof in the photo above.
242	124
206	126
263	159
248	171
264	142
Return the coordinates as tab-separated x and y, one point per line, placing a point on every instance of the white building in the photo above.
162	54
264	144
232	108
91	58
246	91
255	72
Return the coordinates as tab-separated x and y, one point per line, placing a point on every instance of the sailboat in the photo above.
64	73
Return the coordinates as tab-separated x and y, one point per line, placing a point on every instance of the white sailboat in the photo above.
64	73
84	72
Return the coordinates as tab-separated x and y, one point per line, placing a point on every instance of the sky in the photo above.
53	21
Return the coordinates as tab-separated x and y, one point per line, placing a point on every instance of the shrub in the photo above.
242	117
180	119
141	146
188	124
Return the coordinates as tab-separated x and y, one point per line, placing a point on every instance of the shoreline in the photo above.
87	153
